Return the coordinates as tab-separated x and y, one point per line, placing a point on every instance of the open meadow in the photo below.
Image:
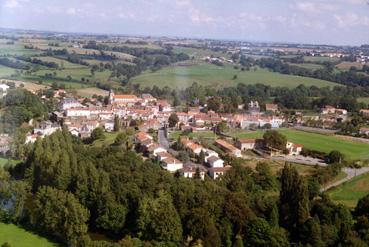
349	193
182	76
351	149
16	236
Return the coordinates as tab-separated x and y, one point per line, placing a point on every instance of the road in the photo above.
164	142
351	173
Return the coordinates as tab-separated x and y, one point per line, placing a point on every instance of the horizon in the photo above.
342	22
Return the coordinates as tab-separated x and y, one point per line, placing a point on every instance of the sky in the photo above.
342	22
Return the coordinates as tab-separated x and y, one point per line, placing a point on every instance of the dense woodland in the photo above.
66	189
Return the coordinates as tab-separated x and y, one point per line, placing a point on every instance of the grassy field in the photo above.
194	135
321	59
363	100
348	65
312	66
62	62
19	237
109	139
349	193
4	161
180	76
352	150
89	92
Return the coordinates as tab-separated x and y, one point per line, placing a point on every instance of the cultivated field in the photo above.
350	192
321	59
348	65
312	66
351	149
181	76
19	237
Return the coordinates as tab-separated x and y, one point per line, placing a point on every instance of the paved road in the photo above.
351	173
164	142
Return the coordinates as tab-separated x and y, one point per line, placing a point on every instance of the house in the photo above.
271	107
4	88
46	128
164	106
253	107
122	99
189	171
194	148
149	124
217	172
215	161
140	137
245	144
68	103
31	138
228	148
341	111
109	126
328	109
162	155
155	149
365	112
209	153
294	149
364	131
5	141
148	98
171	164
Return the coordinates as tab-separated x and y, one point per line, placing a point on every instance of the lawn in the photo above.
312	66
182	76
351	149
348	65
109	139
321	59
349	193
4	161
19	237
364	100
194	135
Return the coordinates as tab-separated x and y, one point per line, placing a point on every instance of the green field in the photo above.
4	161
312	66
19	237
352	150
321	59
194	135
181	76
349	193
62	62
109	139
363	100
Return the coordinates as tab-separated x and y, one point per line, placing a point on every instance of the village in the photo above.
151	118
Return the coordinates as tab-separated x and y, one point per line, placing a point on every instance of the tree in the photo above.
335	157
274	139
59	214
97	134
117	123
173	120
201	158
293	199
158	219
222	127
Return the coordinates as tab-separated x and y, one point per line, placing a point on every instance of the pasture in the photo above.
321	59
351	149
349	193
311	66
19	237
182	76
348	65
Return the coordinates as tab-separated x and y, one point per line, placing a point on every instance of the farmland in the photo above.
182	76
19	237
352	150
349	193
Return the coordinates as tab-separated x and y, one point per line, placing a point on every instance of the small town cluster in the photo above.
149	115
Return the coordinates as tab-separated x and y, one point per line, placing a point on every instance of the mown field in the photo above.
182	76
349	193
312	66
321	59
194	135
351	149
19	237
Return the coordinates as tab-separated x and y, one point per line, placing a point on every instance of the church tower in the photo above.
111	96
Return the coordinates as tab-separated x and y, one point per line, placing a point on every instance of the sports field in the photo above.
19	237
349	193
182	76
351	149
